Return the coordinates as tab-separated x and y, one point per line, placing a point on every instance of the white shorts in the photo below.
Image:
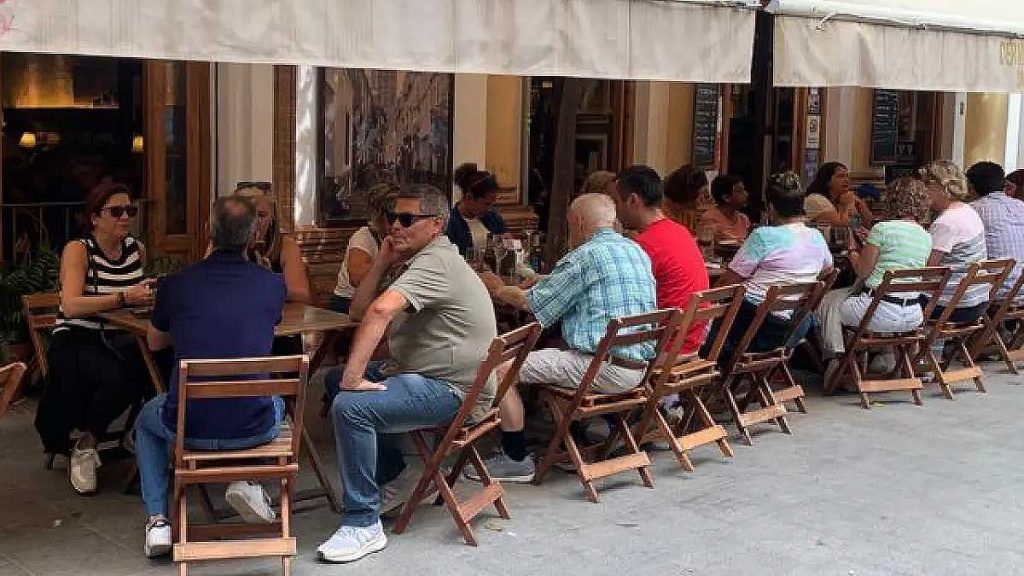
565	368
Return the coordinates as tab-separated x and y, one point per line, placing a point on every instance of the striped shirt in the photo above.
105	276
959	235
1003	217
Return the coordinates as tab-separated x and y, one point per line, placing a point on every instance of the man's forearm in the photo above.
367	290
514	296
368	336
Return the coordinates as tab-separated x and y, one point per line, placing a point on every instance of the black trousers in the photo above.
92	380
769	336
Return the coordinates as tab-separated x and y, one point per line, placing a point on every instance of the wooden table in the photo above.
297	319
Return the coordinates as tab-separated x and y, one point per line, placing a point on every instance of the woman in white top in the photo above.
364	244
830	201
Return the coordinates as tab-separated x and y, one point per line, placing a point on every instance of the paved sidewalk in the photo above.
898	489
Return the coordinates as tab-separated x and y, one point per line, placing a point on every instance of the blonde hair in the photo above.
908	197
948	175
597	182
254	190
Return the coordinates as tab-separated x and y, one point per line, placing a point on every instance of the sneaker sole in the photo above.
371	547
157	551
249	514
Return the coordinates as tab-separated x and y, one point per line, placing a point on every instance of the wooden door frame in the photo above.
192	244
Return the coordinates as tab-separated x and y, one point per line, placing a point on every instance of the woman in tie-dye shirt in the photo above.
786	252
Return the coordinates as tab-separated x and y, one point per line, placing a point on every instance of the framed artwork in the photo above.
380	126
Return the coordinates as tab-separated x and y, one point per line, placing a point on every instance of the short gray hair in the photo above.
433	202
231	223
596	209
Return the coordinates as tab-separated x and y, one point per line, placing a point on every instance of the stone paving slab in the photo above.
897	489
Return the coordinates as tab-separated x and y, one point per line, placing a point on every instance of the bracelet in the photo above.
120	299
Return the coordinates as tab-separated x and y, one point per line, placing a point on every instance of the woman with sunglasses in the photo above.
272	249
96	371
364	244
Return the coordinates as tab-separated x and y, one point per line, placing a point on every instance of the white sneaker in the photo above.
82	470
350	543
158	538
251	502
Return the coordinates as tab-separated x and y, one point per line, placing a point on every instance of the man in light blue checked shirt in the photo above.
605	276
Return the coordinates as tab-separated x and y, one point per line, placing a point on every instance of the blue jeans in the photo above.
154	443
365	429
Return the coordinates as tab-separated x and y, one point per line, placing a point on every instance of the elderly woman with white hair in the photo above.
958	237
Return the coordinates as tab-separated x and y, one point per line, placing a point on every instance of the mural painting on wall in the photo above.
381	126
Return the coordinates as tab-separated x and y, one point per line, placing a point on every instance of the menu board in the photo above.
705	125
885	132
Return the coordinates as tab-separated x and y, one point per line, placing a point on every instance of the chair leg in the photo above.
908	371
737	416
309	449
286	516
858	378
968	360
670	436
561	430
453	505
767	397
431	469
709	422
940	377
627	436
485	476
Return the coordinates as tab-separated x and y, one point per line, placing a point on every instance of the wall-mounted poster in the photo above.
380	125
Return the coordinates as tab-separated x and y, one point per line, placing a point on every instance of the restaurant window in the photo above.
69	123
380	125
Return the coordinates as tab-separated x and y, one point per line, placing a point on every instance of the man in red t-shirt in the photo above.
676	261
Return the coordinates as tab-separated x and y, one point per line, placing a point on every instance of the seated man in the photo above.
785	252
1002	215
221	307
605	276
441	326
725	217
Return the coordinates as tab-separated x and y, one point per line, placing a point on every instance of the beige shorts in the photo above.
565	368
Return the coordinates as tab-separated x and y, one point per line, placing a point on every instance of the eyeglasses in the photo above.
407	219
118	211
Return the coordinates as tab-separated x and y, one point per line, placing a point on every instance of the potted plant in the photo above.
41	273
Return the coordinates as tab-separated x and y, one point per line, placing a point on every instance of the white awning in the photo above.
942	45
686	40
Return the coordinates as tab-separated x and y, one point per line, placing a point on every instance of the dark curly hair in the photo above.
683	186
473	182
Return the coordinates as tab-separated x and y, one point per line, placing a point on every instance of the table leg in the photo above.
154	372
325	490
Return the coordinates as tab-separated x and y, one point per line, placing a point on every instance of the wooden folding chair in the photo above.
750	373
1006	308
812	343
906	286
568	405
991	273
284	376
460	436
688	378
790	391
41	317
11	377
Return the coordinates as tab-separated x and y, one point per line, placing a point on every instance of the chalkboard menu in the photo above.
705	125
885	132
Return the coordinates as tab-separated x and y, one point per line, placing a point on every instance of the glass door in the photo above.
177	147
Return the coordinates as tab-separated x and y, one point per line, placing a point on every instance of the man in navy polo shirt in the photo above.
221	307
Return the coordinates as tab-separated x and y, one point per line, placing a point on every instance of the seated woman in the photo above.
725	217
96	371
895	244
830	200
686	190
472	219
958	237
785	252
1015	184
364	244
276	252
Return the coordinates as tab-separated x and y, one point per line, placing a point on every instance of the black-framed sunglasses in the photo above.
407	219
118	211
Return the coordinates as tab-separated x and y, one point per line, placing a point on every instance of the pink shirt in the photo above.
726	229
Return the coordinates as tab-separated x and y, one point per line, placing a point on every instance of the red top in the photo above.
678	268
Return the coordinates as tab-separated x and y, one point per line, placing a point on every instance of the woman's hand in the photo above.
140	294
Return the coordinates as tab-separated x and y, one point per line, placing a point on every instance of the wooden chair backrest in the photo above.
927	282
658	327
284	376
991	272
710	305
41	316
796	299
1008	300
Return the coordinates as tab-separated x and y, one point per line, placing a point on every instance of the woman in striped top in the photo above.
96	372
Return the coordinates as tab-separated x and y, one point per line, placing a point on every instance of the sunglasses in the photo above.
118	211
407	219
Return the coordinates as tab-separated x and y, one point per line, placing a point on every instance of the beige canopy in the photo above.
942	45
686	40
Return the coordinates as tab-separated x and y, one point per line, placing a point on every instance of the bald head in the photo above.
587	214
232	223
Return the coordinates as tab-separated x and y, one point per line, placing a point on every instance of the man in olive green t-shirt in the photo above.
440	321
